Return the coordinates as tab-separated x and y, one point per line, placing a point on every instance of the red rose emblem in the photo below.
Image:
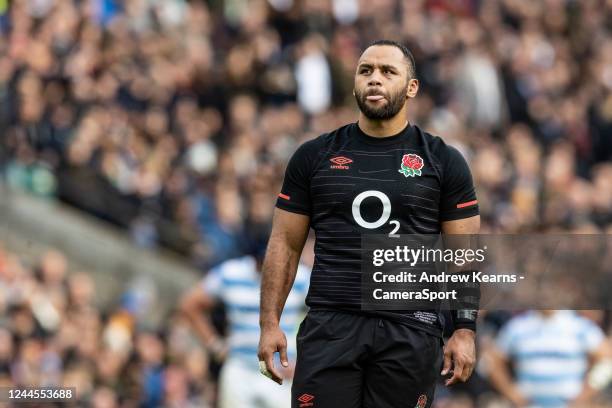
411	165
412	161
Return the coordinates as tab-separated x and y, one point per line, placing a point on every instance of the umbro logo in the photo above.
305	400
340	162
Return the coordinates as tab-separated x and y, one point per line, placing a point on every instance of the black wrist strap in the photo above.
464	310
464	318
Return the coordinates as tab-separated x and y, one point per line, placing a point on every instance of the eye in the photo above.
364	70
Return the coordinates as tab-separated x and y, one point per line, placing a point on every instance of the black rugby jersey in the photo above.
342	181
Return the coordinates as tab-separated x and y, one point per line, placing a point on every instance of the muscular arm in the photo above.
196	305
602	357
460	350
499	374
469	225
459	236
289	232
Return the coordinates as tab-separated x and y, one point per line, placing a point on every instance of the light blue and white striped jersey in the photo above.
236	283
550	354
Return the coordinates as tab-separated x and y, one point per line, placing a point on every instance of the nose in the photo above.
374	79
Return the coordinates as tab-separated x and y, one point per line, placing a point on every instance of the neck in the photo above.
383	127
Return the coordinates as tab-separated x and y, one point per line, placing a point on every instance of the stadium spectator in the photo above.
137	113
53	334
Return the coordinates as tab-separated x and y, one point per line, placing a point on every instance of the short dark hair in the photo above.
403	49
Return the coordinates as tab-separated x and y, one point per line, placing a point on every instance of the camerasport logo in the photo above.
421	402
340	162
306	400
411	165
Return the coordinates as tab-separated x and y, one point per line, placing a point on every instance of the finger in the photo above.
283	355
269	360
468	369
457	372
447	362
264	371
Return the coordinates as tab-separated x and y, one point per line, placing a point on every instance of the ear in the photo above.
353	91
413	88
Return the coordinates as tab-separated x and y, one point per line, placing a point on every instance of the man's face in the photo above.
381	82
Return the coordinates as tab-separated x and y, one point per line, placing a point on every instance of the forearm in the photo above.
460	235
599	375
504	385
203	328
278	274
195	306
502	381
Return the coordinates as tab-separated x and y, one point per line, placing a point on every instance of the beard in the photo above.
394	104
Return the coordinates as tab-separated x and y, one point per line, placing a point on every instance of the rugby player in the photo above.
236	283
379	175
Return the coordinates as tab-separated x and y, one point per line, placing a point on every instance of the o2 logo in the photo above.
384	217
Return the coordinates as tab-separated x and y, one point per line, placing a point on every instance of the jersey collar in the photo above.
402	135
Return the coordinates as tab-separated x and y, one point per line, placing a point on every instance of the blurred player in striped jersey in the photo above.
236	283
552	352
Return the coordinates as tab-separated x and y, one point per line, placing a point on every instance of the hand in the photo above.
460	352
218	350
518	399
273	340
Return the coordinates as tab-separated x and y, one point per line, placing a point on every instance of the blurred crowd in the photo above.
52	334
174	119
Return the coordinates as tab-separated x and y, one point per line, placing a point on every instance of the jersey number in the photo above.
384	217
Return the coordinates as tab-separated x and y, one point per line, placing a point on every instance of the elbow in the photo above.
195	303
187	305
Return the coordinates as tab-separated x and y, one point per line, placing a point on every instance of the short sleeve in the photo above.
212	283
295	193
505	339
592	336
458	196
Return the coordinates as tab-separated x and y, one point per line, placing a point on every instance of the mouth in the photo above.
374	95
